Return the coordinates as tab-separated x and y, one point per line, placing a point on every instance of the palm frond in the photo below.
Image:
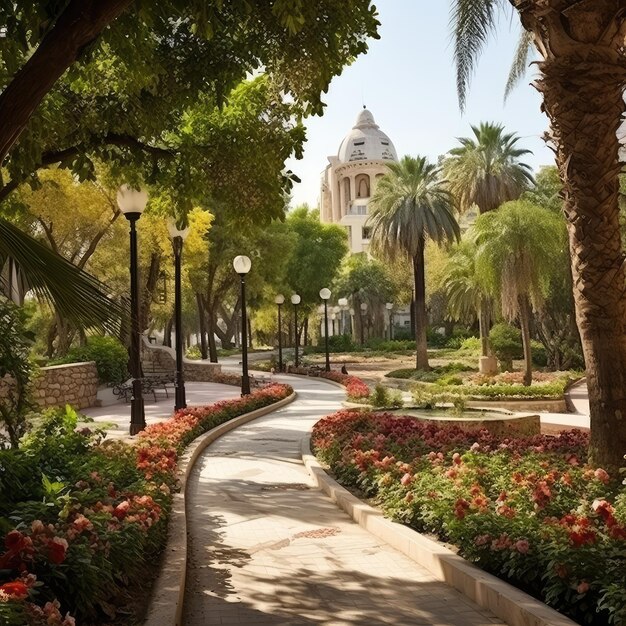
520	61
471	21
76	294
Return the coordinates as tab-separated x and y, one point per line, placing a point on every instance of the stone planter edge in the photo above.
504	600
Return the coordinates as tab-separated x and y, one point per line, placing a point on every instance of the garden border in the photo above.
168	594
504	600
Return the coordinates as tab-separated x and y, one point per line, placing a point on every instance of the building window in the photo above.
367	233
362	183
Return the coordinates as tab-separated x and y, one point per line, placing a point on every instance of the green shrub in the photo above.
506	343
471	344
110	355
338	343
435	339
538	354
402	333
193	352
449	379
380	397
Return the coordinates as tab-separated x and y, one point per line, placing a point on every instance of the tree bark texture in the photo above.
524	316
421	348
583	75
79	24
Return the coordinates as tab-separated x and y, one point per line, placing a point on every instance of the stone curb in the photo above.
168	593
505	601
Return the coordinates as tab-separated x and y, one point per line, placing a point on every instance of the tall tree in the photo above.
484	172
582	77
412	203
516	248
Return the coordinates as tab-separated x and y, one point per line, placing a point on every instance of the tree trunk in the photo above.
421	348
483	324
583	86
202	327
212	323
147	296
79	24
167	333
249	324
524	318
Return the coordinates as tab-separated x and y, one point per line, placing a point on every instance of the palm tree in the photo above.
581	60
485	170
516	247
467	295
412	203
28	265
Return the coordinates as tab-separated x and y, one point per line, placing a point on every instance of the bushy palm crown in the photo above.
465	290
411	203
516	250
485	169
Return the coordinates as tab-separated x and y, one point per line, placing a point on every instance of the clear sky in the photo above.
407	81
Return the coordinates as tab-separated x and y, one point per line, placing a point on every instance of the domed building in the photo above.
350	178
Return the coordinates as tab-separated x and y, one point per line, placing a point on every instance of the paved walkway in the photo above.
116	417
266	549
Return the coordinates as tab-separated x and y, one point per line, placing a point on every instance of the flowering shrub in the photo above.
86	516
356	389
528	509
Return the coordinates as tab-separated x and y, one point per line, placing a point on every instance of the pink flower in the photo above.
522	546
406	479
583	587
601	475
57	549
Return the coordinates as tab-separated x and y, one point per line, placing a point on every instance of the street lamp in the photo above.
178	237
325	295
352	327
132	203
279	300
389	307
295	300
363	309
242	265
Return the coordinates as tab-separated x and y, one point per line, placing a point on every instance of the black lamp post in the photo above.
132	203
242	265
325	295
389	307
363	310
295	300
178	237
280	299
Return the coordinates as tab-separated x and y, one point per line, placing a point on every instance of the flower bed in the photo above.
356	389
82	518
528	509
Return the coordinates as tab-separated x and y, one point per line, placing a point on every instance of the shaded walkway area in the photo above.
265	548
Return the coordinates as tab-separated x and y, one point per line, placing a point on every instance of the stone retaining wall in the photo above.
74	383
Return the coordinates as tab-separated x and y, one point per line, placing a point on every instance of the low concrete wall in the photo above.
75	384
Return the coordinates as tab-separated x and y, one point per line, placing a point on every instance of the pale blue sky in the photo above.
407	80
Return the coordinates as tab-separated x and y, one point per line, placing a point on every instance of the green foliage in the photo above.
411	204
316	256
485	170
383	397
15	373
366	280
339	343
506	343
432	375
110	355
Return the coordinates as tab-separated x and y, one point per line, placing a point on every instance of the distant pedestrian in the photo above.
344	369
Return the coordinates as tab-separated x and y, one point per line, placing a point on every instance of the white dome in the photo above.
366	142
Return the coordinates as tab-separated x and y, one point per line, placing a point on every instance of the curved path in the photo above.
266	549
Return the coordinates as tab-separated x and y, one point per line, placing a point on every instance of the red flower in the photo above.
16	589
57	550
